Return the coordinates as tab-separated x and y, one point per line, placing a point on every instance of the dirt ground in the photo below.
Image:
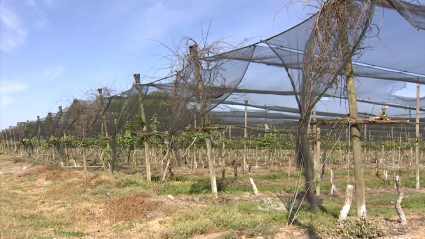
107	215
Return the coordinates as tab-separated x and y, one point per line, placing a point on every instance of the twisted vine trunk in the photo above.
305	159
398	207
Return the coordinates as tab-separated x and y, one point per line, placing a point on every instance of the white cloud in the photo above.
52	72
7	89
13	33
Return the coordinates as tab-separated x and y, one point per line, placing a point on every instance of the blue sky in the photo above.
52	51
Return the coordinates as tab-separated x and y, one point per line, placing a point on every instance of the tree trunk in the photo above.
179	158
305	159
164	176
113	160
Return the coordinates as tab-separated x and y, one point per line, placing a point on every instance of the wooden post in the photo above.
50	126
318	164
39	129
7	142
316	153
223	163
392	133
3	142
254	187
354	129
194	116
365	132
265	123
333	187
204	121
64	135
346	135
84	159
245	135
195	164
145	127
105	131
230	131
418	93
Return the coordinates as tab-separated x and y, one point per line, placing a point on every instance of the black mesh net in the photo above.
302	62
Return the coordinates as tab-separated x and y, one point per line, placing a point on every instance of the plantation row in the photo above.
130	139
275	149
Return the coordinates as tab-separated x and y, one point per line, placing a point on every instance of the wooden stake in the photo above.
254	187
245	135
354	129
105	129
84	159
204	121
318	164
333	188
365	132
145	127
417	136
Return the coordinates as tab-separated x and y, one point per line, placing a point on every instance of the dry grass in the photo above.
47	202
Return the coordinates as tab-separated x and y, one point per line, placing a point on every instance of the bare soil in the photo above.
133	207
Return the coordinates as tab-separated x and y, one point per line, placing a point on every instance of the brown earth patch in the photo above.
133	207
415	228
291	232
62	175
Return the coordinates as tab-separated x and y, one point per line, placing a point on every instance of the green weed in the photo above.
63	233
